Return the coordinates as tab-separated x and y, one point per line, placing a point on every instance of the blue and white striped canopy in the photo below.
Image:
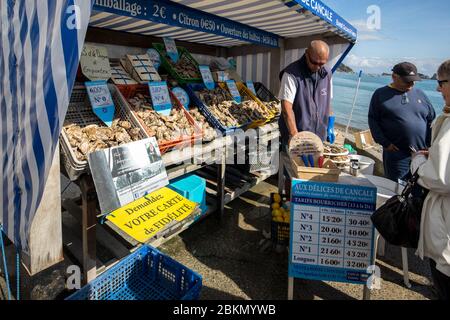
41	43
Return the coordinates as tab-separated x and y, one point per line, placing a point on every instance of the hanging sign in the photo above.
144	218
234	91
332	236
154	57
207	77
101	101
95	63
160	97
251	87
171	49
182	96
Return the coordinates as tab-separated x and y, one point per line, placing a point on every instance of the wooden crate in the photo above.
364	140
329	172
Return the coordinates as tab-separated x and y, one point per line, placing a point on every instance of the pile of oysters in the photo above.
185	68
163	128
209	133
94	137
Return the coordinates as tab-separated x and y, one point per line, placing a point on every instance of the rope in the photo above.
5	266
18	274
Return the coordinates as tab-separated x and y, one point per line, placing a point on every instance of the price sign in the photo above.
182	96
234	91
160	97
222	76
207	77
154	57
251	87
94	63
171	49
101	101
332	236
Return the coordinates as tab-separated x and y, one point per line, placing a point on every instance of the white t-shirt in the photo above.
288	88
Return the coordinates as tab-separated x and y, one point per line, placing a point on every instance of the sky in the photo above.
410	30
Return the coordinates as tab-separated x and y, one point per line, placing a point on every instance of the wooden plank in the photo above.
45	238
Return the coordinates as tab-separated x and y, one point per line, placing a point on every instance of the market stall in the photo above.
204	31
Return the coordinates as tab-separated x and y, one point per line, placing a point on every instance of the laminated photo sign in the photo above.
234	91
160	97
182	96
101	101
171	49
207	77
95	63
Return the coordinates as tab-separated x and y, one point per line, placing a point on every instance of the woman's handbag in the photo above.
398	220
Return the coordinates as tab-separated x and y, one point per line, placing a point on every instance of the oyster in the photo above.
164	128
94	137
208	132
185	67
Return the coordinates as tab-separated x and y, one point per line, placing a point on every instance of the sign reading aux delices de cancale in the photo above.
332	236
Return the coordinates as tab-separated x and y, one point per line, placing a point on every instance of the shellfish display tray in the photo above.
268	115
130	91
80	113
191	88
170	68
268	97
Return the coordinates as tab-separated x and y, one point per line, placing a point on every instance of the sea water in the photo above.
344	89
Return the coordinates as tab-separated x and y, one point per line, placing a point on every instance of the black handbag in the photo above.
398	220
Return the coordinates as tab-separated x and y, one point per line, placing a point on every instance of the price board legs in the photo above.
281	177
405	268
291	288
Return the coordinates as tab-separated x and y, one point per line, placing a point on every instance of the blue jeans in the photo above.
397	165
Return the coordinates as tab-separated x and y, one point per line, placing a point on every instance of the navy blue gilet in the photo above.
311	107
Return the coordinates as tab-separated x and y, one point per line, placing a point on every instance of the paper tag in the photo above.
222	76
182	96
207	77
234	91
171	49
251	87
95	63
155	57
101	101
160	97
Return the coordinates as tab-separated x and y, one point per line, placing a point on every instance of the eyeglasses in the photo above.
405	99
314	62
441	83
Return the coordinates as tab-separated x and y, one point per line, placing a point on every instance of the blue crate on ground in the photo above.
146	274
190	89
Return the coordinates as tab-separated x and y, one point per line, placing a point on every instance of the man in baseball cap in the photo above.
400	118
407	72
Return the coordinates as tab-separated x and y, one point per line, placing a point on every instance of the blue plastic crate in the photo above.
146	274
191	187
190	89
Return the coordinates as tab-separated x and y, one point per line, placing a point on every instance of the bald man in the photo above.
305	95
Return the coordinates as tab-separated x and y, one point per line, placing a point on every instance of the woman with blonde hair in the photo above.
434	171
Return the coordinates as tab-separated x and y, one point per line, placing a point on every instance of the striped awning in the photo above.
41	43
275	18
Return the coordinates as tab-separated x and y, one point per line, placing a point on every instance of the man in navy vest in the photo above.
305	95
400	118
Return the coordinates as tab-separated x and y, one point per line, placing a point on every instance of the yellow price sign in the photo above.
145	217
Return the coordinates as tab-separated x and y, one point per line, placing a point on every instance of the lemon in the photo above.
275	206
277	198
287	219
277	213
278	219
